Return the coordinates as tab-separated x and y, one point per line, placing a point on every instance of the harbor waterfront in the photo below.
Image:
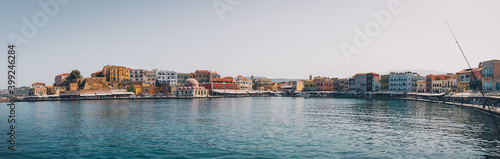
270	127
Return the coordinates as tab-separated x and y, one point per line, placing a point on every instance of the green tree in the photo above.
75	74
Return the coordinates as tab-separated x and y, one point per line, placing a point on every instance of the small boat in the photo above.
302	94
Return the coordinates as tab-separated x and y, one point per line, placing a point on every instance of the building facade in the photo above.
136	75
59	79
323	84
243	83
491	75
404	81
364	81
376	86
466	77
421	86
384	82
191	88
166	77
115	73
37	89
343	85
183	77
149	78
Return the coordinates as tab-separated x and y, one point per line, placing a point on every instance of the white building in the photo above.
136	75
437	86
243	83
404	81
166	77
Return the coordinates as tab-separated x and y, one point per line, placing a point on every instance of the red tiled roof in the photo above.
468	70
202	71
64	74
220	80
40	83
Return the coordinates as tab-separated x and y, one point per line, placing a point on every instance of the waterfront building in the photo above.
421	86
364	81
149	78
309	85
206	76
243	83
137	89
55	90
384	82
298	85
468	76
436	86
264	84
59	79
37	89
323	84
449	85
115	73
431	77
183	77
491	75
136	75
404	81
148	89
218	84
166	77
352	83
191	88
343	85
336	84
376	84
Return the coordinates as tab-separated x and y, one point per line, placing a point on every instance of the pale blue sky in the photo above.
271	38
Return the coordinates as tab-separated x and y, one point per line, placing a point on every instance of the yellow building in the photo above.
115	73
137	90
309	85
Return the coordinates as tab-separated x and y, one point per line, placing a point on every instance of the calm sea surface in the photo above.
266	127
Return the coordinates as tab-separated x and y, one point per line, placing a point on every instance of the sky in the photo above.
269	38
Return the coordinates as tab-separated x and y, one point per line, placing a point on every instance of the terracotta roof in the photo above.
468	70
360	74
239	76
64	74
202	71
50	86
40	83
220	80
244	79
146	85
137	86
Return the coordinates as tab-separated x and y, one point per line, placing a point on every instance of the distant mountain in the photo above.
419	71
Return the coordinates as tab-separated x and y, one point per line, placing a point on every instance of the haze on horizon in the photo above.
269	38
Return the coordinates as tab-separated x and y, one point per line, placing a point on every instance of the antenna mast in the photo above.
456	41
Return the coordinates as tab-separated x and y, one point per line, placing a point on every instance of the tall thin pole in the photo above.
456	41
473	76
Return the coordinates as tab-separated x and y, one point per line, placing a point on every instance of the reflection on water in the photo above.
274	127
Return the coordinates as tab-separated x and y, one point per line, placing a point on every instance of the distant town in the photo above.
122	82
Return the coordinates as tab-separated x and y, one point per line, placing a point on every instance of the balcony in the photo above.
488	75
